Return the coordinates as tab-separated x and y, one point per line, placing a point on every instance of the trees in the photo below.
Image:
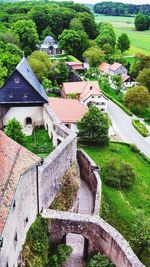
26	29
99	260
142	22
14	130
93	127
142	62
40	64
58	72
117	82
144	78
94	55
76	25
89	24
106	35
74	42
3	74
137	98
123	42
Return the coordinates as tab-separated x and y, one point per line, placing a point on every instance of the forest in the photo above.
121	9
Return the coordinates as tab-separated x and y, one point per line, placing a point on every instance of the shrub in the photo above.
140	127
14	130
134	148
118	175
63	252
99	260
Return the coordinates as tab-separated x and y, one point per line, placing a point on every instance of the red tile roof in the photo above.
84	89
76	65
104	67
67	110
14	161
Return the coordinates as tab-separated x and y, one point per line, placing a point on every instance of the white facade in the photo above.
22	114
121	70
98	100
22	214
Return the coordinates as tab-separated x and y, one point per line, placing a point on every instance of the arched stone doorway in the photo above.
28	121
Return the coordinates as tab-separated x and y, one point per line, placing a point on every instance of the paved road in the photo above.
125	129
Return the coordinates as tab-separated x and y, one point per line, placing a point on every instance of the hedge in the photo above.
140	127
126	110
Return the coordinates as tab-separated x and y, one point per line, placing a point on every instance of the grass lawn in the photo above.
39	143
120	207
139	40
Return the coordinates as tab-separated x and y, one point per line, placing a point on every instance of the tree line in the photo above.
121	9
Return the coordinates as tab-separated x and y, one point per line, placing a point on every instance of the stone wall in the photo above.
58	162
90	174
101	236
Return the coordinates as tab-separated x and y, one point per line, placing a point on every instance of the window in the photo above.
25	96
15	240
7	264
99	96
14	204
26	221
11	95
17	80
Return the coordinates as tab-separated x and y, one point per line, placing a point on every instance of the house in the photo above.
88	92
50	46
77	66
22	97
69	111
18	197
114	69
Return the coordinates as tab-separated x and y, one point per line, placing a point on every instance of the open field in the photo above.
140	41
119	207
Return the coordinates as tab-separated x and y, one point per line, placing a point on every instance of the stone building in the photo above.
22	97
18	197
88	92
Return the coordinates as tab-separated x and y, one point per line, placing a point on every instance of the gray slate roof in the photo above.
24	69
49	39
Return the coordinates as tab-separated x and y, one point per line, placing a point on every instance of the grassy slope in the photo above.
140	41
123	205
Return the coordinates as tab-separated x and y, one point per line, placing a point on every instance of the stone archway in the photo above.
28	121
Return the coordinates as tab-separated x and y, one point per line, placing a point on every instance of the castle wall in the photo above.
58	162
101	236
89	172
22	214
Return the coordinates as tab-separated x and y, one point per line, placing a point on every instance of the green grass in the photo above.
139	40
39	143
120	207
72	58
140	127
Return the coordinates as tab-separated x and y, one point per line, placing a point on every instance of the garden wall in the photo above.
58	162
101	236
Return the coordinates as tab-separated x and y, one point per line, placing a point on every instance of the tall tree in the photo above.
89	24
3	74
26	29
141	22
144	78
93	127
117	82
137	98
123	42
74	42
94	55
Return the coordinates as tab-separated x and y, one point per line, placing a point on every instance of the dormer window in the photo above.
17	80
11	95
25	96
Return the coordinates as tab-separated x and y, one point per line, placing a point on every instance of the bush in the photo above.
63	252
99	260
118	175
134	148
140	127
14	130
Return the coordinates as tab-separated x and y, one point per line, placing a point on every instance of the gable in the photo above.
18	90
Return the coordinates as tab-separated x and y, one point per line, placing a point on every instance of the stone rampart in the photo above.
101	236
58	162
90	174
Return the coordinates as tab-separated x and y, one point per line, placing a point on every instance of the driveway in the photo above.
123	125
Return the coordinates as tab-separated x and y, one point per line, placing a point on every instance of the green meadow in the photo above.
140	41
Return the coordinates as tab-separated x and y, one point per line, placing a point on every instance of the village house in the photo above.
69	111
18	197
22	97
87	92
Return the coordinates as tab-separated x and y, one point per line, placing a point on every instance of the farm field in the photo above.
140	41
119	207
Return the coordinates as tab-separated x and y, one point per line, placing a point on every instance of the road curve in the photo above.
125	129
